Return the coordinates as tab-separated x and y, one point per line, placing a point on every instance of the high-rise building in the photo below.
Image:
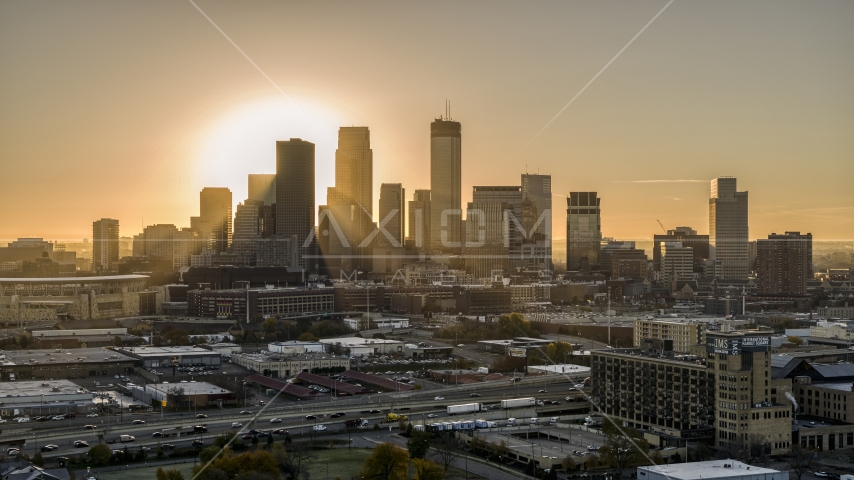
214	221
493	242
688	237
295	197
607	248
105	244
784	263
629	263
392	214
445	185
167	242
248	225
262	187
677	263
583	230
537	189
419	220
728	232
354	168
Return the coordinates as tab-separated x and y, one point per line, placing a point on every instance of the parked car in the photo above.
13	452
58	417
592	448
821	474
92	415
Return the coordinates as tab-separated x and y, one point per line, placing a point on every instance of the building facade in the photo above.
262	187
493	239
687	236
214	220
445	185
295	197
784	263
583	230
105	244
676	263
537	189
728	229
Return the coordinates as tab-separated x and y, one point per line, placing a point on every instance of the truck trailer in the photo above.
518	402
465	408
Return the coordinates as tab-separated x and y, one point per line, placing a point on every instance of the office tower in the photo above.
166	242
392	214
728	235
607	248
247	227
262	187
419	219
676	263
688	237
445	185
784	263
629	263
295	197
493	241
105	244
354	167
214	221
583	231
537	189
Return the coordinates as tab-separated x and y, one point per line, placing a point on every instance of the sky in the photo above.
128	109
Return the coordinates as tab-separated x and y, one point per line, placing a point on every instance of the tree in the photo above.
499	450
796	340
171	474
269	325
100	454
307	337
702	453
418	444
387	462
177	336
295	461
568	463
446	448
427	470
800	460
175	396
37	459
623	449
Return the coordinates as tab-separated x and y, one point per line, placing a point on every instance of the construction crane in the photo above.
662	226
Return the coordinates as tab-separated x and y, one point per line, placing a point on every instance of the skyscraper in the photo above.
105	244
214	220
537	189
248	226
419	220
354	167
784	263
262	187
445	185
295	196
392	213
583	230
728	233
493	239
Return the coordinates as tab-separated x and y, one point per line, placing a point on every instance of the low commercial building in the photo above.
575	372
358	346
82	338
710	470
243	303
63	364
155	357
283	366
198	394
684	334
358	324
295	347
224	348
42	398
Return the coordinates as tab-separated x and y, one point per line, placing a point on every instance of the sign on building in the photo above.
516	352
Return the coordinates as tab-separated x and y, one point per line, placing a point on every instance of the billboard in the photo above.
736	345
516	352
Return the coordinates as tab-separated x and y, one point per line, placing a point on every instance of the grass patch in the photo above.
343	463
144	473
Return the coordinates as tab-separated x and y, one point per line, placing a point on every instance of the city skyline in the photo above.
649	134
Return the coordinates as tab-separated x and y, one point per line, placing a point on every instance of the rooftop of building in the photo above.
104	278
61	356
710	469
358	341
190	388
638	353
279	357
149	351
37	388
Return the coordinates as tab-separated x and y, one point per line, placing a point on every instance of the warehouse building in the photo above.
63	364
196	394
710	470
155	357
283	366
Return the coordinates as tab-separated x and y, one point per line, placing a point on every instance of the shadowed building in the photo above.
583	230
784	263
295	197
688	237
728	233
445	185
105	244
419	220
537	212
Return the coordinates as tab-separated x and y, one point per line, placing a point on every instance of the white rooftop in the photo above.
357	341
711	469
190	388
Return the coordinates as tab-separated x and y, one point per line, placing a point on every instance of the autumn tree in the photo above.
269	325
387	462
427	470
171	474
100	454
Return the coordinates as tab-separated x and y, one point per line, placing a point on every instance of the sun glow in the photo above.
243	141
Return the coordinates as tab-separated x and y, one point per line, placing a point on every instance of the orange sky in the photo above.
126	110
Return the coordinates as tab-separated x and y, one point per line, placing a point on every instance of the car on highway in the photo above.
821	474
373	411
310	417
579	386
236	424
432	415
90	427
139	422
48	448
201	415
92	415
13	452
275	420
318	428
198	443
167	446
475	394
335	415
247	436
245	412
542	391
280	431
592	448
81	443
439	398
462	345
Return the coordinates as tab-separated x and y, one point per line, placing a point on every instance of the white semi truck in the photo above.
518	402
465	408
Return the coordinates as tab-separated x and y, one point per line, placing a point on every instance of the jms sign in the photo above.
735	345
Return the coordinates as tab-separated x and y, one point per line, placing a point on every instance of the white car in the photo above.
92	415
462	345
432	415
275	420
236	424
318	428
439	398
2	421
13	452
23	419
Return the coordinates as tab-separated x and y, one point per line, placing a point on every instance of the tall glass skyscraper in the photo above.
728	234
445	185
583	230
295	196
537	248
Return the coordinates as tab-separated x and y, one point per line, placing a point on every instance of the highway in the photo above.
416	404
